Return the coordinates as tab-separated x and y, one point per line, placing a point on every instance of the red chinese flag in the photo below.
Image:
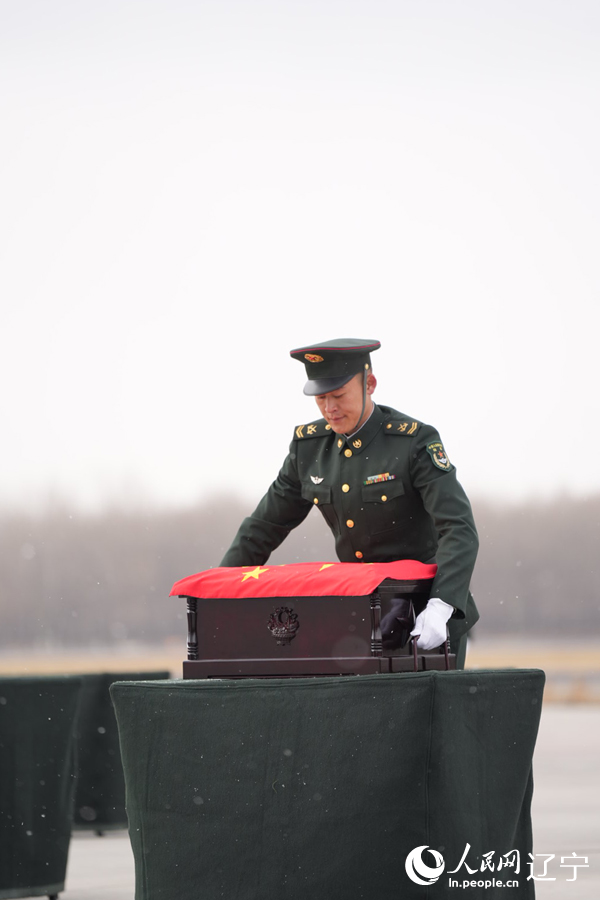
299	580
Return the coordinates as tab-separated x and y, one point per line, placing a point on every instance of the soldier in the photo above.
384	484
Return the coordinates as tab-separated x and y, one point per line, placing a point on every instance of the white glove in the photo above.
431	624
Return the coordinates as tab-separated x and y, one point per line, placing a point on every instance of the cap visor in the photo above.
325	385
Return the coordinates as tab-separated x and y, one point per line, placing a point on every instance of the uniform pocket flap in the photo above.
316	493
382	491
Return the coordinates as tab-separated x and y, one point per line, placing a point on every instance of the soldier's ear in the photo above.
371	383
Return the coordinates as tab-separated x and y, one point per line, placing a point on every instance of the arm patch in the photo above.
439	455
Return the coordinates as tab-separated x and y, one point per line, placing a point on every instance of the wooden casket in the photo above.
307	619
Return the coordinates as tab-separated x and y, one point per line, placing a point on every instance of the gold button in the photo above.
328	428
383	498
350	523
358	554
345	488
347	452
388	425
316	500
340	442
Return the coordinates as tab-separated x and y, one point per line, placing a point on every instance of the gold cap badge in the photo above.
312	357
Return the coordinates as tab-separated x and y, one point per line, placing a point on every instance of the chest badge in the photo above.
377	479
315	479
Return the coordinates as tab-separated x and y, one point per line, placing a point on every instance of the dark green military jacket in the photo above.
388	492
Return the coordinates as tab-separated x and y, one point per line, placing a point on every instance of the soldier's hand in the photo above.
431	624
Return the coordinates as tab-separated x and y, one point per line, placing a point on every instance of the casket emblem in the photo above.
283	624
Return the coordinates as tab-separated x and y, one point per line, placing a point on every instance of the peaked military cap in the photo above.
330	364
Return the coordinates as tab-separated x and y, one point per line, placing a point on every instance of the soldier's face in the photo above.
342	409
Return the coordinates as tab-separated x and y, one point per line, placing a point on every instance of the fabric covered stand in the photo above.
37	782
321	787
100	794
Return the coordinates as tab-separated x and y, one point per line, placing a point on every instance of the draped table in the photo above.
323	788
37	782
100	792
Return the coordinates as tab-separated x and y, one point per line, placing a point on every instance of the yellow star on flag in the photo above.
326	566
255	573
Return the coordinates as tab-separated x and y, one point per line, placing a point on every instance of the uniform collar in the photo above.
363	437
348	436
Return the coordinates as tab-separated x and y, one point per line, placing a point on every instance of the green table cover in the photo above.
37	782
319	788
100	793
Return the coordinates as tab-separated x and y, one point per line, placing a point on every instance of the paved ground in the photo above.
566	803
100	868
566	818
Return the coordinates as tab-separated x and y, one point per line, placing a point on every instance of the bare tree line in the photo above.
71	579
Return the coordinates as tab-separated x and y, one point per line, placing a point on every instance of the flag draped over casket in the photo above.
311	579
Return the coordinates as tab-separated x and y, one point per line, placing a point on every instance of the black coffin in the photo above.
335	634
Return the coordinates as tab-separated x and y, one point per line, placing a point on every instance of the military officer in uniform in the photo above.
384	484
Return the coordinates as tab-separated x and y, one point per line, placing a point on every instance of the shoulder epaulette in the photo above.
320	428
407	427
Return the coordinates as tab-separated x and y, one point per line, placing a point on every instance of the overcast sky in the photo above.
188	190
